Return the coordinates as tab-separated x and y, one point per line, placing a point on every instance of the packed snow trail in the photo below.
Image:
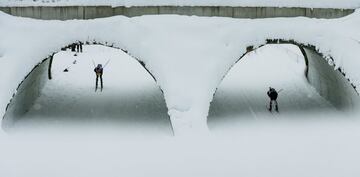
242	94
130	101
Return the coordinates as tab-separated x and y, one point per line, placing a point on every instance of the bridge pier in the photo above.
190	122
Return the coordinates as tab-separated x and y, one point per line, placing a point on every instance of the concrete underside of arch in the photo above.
27	92
330	83
189	79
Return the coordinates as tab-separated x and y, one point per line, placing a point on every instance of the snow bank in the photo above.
345	4
188	79
261	149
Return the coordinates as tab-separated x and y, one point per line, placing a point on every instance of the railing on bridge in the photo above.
91	12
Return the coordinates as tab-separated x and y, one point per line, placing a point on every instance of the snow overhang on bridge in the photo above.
188	56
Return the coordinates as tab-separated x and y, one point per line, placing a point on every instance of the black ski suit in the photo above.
99	72
273	96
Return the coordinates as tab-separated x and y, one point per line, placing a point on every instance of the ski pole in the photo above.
106	63
280	90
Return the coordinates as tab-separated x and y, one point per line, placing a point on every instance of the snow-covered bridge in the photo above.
212	46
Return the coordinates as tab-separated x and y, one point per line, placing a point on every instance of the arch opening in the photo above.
52	98
308	84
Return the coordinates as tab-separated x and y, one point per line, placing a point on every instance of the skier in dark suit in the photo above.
273	94
99	72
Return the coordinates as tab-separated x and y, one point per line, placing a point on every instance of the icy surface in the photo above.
246	3
188	56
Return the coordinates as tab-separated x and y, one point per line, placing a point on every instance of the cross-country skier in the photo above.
273	94
99	72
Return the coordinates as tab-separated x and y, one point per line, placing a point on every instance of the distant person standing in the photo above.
81	46
99	72
73	47
273	94
77	47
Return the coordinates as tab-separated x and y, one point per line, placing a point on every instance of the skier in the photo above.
273	94
99	72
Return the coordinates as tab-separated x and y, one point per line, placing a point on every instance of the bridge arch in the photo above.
37	77
332	84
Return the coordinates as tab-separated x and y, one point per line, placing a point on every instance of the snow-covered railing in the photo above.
344	4
91	12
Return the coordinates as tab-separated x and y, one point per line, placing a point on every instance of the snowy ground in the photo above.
306	139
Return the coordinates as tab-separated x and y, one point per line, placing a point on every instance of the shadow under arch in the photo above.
331	84
36	83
